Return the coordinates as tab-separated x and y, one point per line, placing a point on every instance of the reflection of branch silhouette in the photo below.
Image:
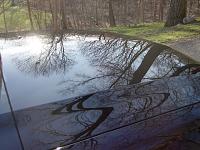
53	59
129	65
116	57
148	97
125	62
147	62
77	106
186	67
145	104
89	116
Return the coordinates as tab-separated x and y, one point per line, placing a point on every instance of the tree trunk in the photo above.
111	15
63	14
12	2
29	13
4	17
96	13
177	12
141	11
161	10
155	10
147	62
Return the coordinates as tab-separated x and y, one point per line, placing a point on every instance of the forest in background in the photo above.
55	15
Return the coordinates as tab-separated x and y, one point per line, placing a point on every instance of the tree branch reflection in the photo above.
123	62
52	59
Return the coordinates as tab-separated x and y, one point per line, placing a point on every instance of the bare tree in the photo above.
161	10
111	14
12	2
4	16
177	12
141	11
63	14
29	13
56	15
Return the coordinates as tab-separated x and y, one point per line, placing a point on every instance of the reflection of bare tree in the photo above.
65	122
77	106
144	103
115	57
151	100
147	62
0	76
163	130
52	59
123	62
120	58
193	68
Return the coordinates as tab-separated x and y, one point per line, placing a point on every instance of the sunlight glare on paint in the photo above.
34	44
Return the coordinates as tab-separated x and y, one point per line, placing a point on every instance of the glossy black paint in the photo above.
142	101
65	122
50	69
